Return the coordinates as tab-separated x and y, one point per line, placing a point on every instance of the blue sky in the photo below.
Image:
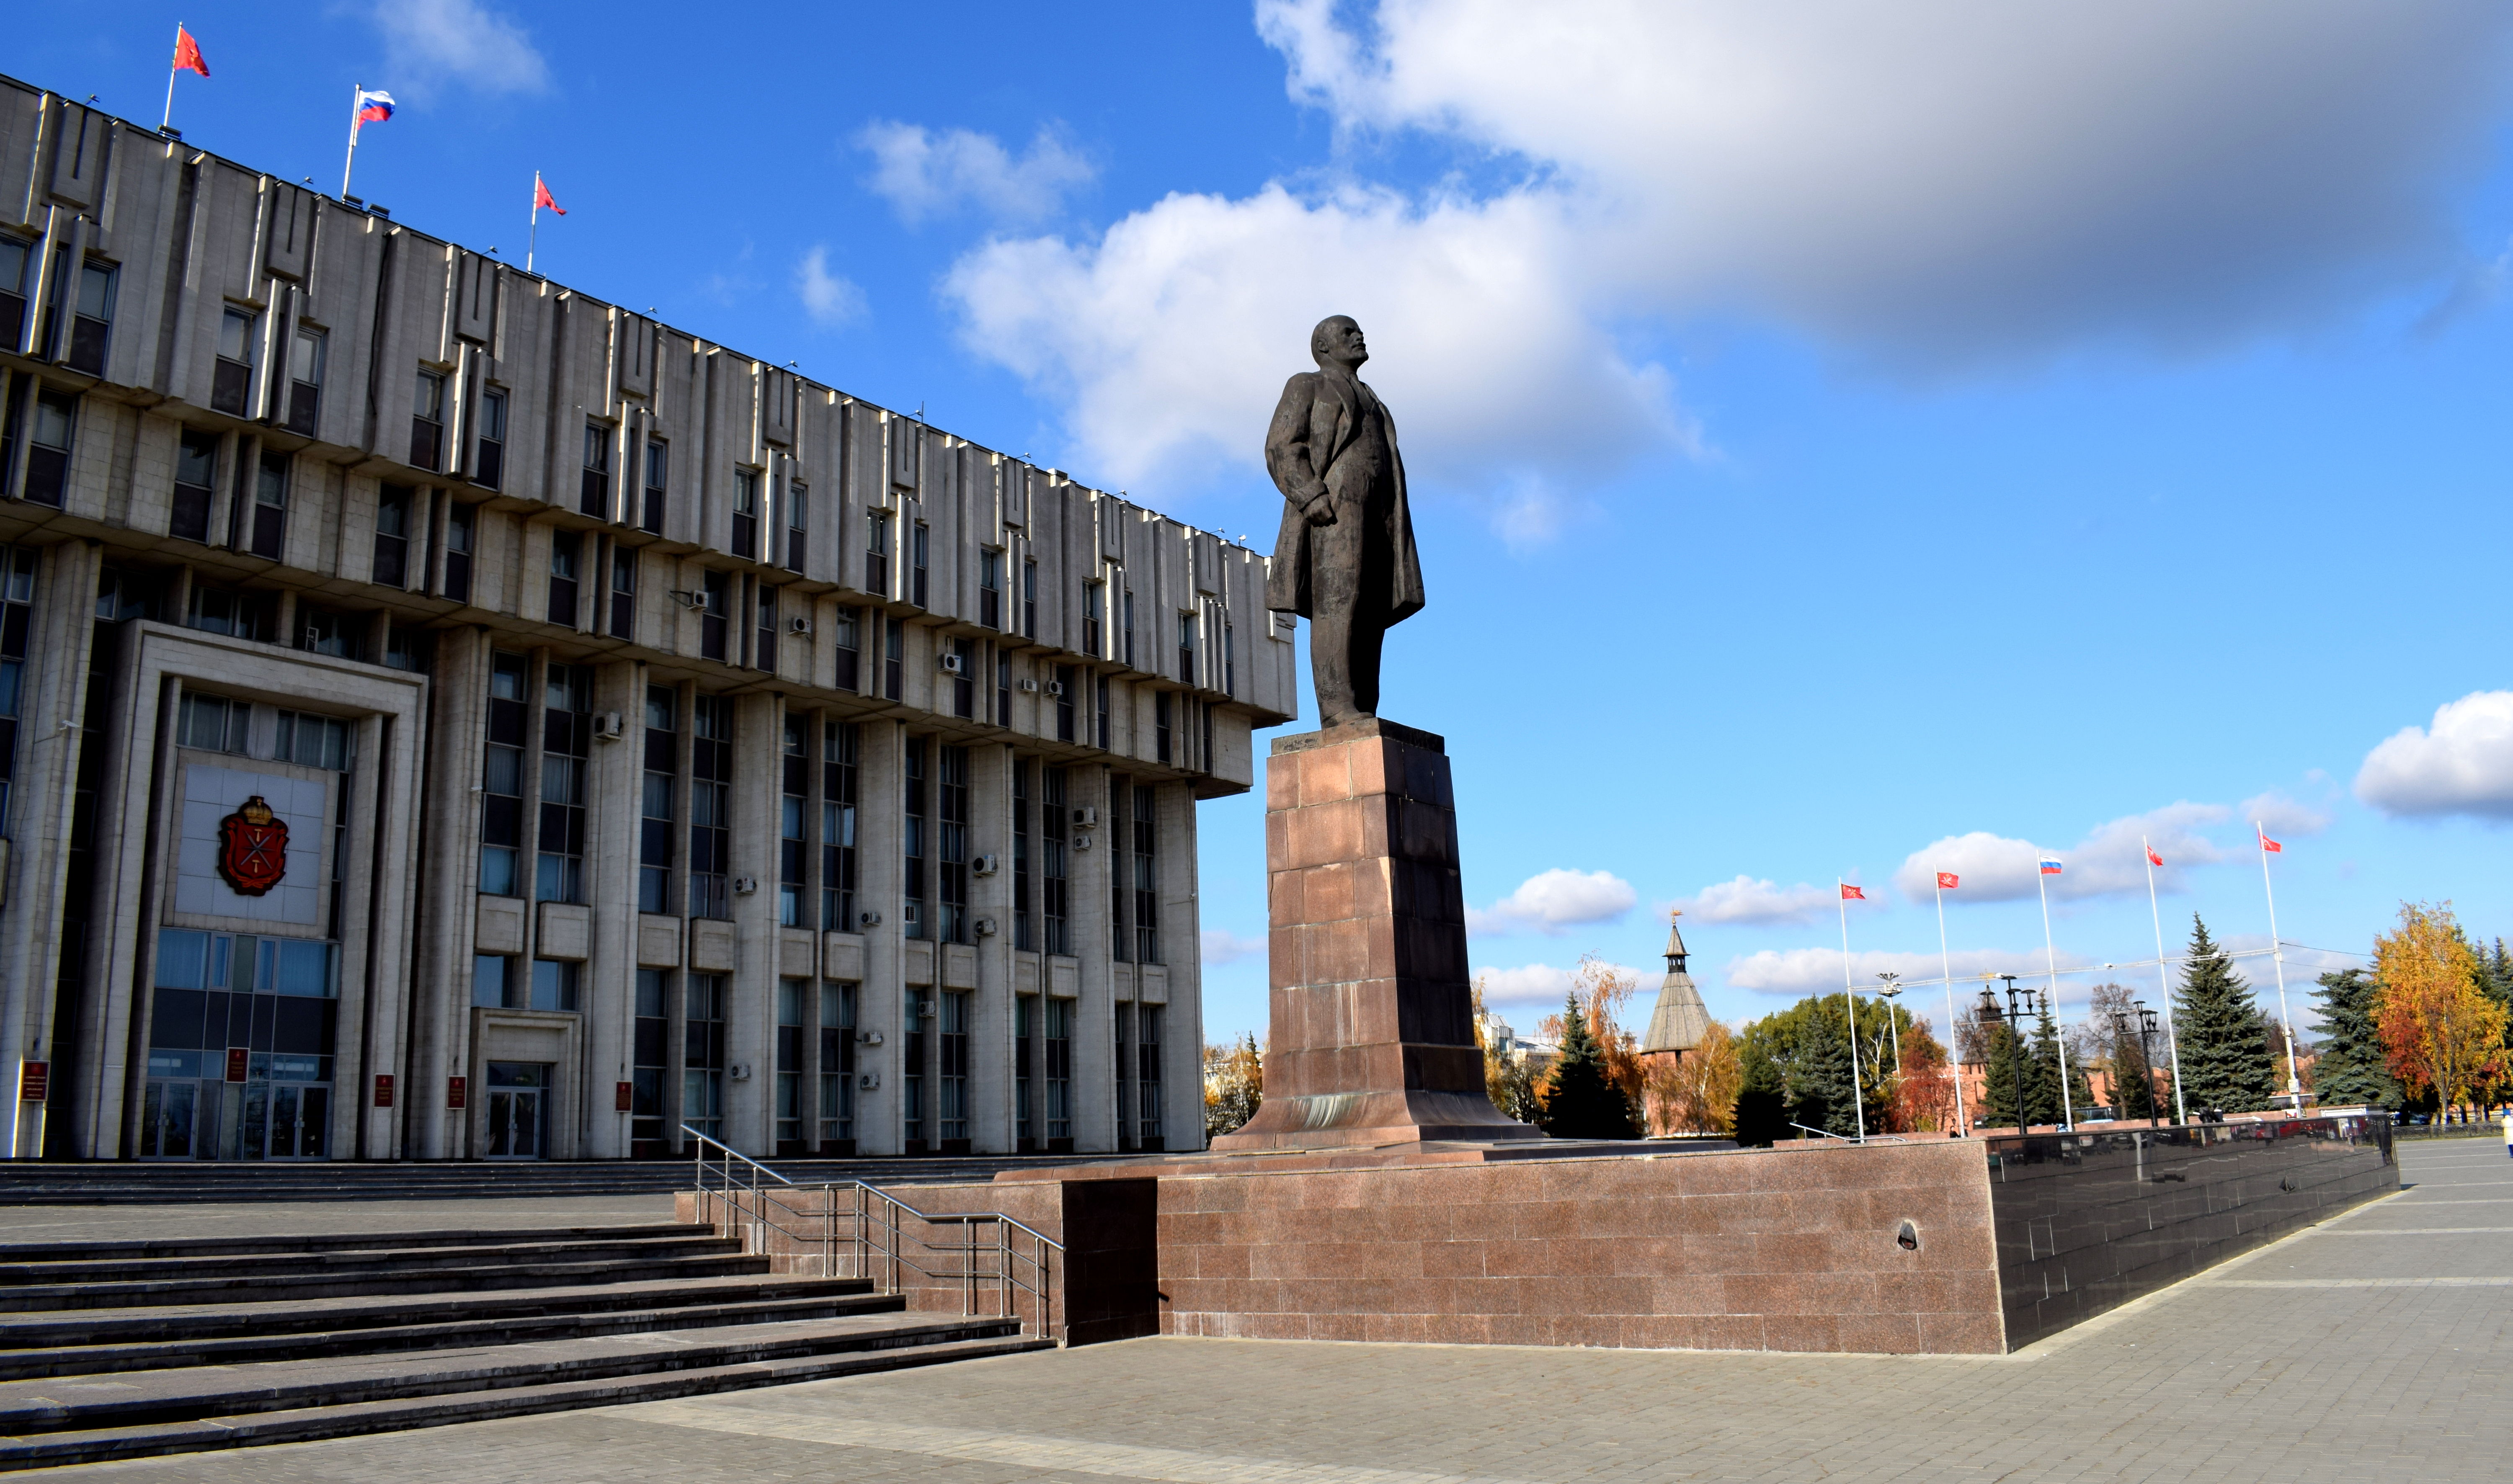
1848	441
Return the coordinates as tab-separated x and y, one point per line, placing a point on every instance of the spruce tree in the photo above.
1762	1102
2042	1075
2350	1067
1818	1081
2135	1094
2225	1061
1999	1062
1579	1103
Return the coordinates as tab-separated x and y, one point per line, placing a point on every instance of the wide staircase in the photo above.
113	1349
25	1183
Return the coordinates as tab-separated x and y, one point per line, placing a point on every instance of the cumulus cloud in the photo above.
1533	991
1747	900
829	298
433	43
2461	764
1994	868
2281	816
925	172
1223	946
1797	972
1555	901
1943	183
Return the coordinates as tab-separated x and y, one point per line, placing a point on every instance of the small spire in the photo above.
1675	954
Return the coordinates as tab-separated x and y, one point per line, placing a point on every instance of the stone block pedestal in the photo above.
1372	1039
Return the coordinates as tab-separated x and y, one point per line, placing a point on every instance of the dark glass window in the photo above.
15	254
1053	882
745	514
427	423
342	636
715	619
1129	603
1003	690
1068	677
196	466
1029	599
702	1046
990	585
1147	877
566	749
566	559
1161	727
662	772
392	535
1100	685
93	322
951	837
912	889
48	454
461	526
489	458
17	626
838	743
837	1028
876	551
593	492
649	1061
893	659
232	374
555	984
964	677
1095	600
952	1062
305	381
224	610
798	504
1186	649
1059	1048
1147	1075
917	1006
793	807
1024	924
270	506
920	540
846	638
790	995
1229	662
408	649
763	649
659	461
502	777
623	593
1026	1027
1120	880
1125	1068
711	807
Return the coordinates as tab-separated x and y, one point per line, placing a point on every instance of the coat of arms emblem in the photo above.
253	847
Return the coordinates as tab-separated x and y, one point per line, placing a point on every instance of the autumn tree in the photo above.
2225	1061
1921	1094
2440	1031
1234	1085
1508	1081
1696	1092
1580	1101
1601	991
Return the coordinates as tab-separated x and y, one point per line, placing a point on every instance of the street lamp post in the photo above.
2146	1057
1989	1016
1890	985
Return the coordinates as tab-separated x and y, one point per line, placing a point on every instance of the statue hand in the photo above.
1321	512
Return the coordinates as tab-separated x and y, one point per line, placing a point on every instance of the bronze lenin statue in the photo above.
1344	559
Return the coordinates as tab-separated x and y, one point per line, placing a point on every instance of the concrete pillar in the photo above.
1095	1015
880	873
750	1013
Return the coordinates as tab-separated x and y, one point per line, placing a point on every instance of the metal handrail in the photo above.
1845	1139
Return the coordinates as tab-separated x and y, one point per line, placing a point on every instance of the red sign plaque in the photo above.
253	847
623	1097
239	1063
383	1089
454	1090
35	1081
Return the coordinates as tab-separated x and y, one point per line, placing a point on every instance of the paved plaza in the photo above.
2374	1347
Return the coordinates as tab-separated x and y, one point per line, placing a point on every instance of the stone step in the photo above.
380	1254
309	1423
379	1279
127	1181
847	1299
135	1248
211	1321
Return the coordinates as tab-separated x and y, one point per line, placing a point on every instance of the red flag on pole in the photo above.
1949	879
541	197
2270	845
1850	894
187	54
2152	858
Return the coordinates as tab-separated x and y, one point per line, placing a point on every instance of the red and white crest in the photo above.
253	847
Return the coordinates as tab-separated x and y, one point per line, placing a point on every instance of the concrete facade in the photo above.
660	736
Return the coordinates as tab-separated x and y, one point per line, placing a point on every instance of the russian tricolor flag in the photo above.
2050	867
374	108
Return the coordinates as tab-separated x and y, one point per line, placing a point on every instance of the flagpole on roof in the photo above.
2051	956
168	122
534	238
1850	996
1946	965
357	92
2171	1043
2277	956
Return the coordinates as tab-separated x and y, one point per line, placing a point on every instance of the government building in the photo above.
444	715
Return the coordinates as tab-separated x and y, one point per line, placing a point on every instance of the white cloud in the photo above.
429	43
1939	184
2280	815
1223	946
829	298
1800	971
2462	764
1994	868
1554	901
1747	900
1533	991
928	172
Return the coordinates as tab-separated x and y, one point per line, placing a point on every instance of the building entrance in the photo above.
518	1110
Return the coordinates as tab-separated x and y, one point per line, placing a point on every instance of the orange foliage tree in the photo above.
1602	991
2438	1029
1696	1093
1922	1099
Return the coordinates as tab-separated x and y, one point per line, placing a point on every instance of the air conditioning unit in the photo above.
928	1010
984	865
1056	687
868	919
608	727
986	927
951	662
740	1072
744	885
798	624
1032	687
1086	817
870	1081
867	1038
1082	843
689	600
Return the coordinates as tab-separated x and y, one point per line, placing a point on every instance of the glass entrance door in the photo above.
299	1113
168	1117
518	1109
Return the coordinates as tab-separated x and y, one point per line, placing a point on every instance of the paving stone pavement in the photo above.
2372	1348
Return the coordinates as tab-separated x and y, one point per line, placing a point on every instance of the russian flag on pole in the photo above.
374	108
2050	867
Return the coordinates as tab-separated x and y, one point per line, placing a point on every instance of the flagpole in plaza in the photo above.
2277	956
1946	966
1850	996
2046	866
2171	1043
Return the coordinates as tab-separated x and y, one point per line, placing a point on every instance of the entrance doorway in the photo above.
518	1110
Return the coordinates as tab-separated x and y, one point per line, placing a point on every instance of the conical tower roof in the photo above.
1681	1019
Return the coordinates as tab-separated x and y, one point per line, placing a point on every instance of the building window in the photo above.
952	837
715	614
270	506
196	472
224	610
915	1004
341	636
1100	685
489	456
461	526
837	1067
745	514
1059	1074
1029	599
1095	598
93	322
1025	1019
703	1013
593	492
711	807
427	423
763	649
392	537
1147	878
955	1069
839	741
912	889
502	777
964	677
1120	943
649	1063
920	543
15	253
1003	690
1147	1075
798	503
846	639
659	461
876	551
792	847
1125	1070
623	593
789	1063
990	586
567	551
408	649
1024	926
47	456
893	658
121	592
231	374
211	723
1161	726
567	747
305	380
1186	649
554	984
1129	604
654	823
1229	661
490	974
1051	847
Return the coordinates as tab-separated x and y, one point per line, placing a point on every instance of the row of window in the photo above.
79	345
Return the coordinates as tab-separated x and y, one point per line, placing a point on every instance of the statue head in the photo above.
1337	341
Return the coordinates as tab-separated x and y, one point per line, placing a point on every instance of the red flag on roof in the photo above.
1949	879
1850	894
541	198
187	54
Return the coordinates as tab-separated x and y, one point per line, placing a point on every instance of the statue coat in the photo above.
1317	419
